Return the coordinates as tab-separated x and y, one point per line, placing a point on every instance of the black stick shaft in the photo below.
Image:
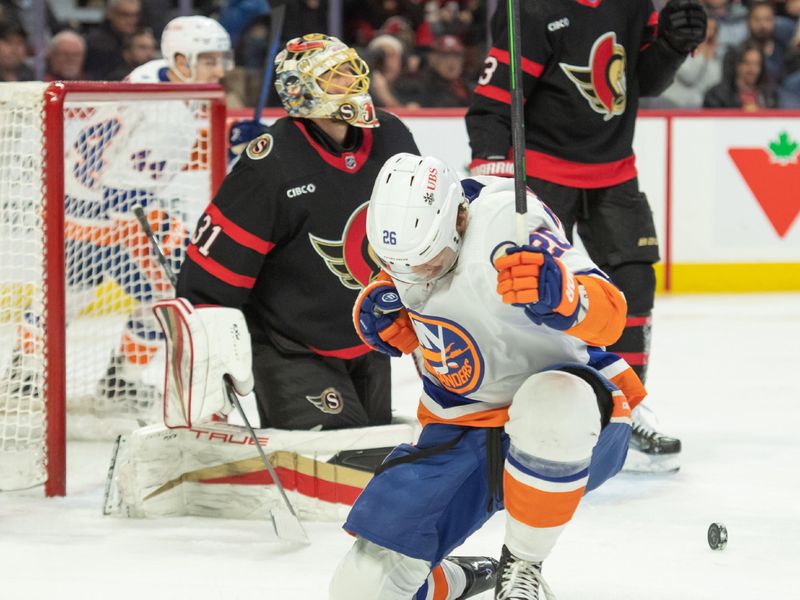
138	212
517	117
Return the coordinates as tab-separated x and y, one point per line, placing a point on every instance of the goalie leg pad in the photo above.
204	345
214	470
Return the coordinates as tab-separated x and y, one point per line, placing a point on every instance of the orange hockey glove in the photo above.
540	283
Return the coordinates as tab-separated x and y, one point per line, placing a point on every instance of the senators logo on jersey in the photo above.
350	258
449	353
602	82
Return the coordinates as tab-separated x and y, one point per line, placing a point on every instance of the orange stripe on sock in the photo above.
537	508
136	352
630	384
441	589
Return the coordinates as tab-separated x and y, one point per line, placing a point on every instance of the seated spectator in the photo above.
701	71
761	29
64	57
789	92
13	52
137	50
385	59
731	21
104	44
402	29
443	18
786	23
441	82
742	82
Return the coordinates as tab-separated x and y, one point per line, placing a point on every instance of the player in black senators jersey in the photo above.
585	63
284	240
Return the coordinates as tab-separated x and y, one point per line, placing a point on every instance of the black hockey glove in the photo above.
682	24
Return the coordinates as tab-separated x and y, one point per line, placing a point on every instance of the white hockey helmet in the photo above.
305	74
193	36
412	215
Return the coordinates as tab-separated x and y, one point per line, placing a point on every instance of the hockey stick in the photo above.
286	523
275	28
517	120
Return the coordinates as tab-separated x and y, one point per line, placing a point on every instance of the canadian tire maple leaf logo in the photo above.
773	175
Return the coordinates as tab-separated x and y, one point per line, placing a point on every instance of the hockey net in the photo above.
77	275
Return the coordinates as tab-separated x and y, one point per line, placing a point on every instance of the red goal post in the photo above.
74	158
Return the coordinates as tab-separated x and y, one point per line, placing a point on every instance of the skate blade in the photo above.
639	462
288	526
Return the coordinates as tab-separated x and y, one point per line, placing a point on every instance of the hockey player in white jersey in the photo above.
521	407
194	50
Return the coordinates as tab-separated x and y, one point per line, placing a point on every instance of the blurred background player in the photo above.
519	408
193	50
151	167
284	240
584	67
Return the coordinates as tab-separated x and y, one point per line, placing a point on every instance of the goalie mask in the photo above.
412	217
319	76
199	39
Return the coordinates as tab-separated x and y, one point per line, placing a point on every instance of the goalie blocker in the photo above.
196	464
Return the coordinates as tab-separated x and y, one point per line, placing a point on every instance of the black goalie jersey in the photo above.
584	65
285	240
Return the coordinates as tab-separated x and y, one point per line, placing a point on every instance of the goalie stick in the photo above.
285	521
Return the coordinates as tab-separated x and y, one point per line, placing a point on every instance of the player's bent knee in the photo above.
369	571
554	416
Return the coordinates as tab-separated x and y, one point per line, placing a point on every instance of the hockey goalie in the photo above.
198	464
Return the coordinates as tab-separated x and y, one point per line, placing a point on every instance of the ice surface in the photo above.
724	377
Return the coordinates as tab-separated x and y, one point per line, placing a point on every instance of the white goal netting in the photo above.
121	149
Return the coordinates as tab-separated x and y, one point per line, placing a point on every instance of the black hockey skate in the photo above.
125	395
519	579
481	572
650	451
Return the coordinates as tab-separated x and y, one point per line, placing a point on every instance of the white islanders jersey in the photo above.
478	351
154	71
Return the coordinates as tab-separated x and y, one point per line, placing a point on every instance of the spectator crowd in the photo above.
422	53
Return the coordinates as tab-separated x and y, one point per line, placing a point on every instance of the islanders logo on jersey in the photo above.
350	258
449	352
602	82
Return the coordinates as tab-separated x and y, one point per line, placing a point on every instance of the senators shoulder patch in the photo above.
259	147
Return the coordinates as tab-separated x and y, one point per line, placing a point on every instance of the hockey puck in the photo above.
717	536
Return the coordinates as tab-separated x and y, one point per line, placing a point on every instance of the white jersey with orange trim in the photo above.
477	350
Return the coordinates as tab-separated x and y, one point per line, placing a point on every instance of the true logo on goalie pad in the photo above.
329	402
260	147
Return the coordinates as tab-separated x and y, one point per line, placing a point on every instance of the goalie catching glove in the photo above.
204	346
539	282
382	321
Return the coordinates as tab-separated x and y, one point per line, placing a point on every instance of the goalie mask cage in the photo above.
77	276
